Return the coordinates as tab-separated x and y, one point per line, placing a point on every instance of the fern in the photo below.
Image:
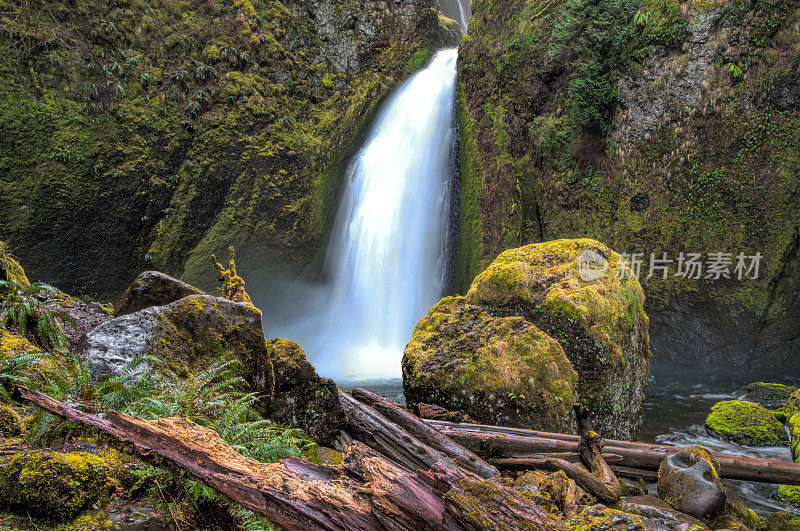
22	307
18	369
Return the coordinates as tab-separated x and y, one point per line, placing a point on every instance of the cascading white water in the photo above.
388	247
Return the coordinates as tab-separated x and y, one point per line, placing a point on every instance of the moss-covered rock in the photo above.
736	508
10	269
790	494
745	423
10	422
53	485
11	343
187	335
601	518
500	370
769	395
302	398
583	295
152	288
689	481
781	521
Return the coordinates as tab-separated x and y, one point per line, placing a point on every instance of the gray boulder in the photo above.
152	288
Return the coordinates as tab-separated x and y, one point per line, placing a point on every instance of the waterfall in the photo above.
387	254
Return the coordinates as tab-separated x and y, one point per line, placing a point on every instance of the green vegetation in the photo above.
596	37
745	423
21	307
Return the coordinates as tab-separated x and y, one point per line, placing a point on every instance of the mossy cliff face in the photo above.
657	126
543	326
136	133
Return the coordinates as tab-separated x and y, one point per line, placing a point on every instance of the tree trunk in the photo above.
511	447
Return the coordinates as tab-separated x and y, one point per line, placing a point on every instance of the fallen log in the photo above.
426	434
366	492
491	442
389	439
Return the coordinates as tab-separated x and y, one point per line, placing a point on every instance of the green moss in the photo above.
10	422
583	295
499	370
11	343
790	494
10	269
745	423
53	485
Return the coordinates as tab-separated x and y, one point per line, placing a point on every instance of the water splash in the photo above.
387	255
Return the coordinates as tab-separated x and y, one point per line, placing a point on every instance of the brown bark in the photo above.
366	492
428	435
514	445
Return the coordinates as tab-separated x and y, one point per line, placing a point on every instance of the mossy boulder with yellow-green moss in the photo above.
745	423
11	343
583	295
11	424
302	398
769	395
186	335
10	269
53	485
500	370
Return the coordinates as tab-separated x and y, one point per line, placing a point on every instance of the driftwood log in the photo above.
519	448
427	434
366	492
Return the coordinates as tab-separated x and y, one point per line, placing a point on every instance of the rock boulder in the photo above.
302	398
745	423
689	481
186	335
152	288
542	326
499	370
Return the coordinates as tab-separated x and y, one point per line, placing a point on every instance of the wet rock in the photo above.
729	523
302	398
790	494
745	423
583	295
651	507
602	518
186	335
139	518
769	395
54	485
530	480
10	422
633	487
736	508
500	370
689	481
781	521
152	288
